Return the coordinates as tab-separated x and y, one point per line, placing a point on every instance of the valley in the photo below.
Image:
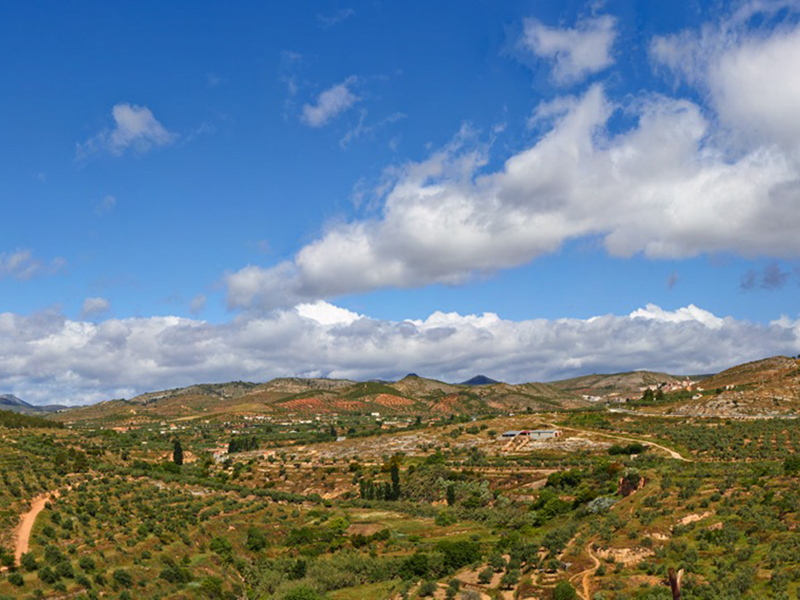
323	489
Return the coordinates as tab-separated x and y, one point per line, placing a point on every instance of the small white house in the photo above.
534	434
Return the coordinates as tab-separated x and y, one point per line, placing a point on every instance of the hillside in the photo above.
622	384
759	372
767	387
412	395
299	474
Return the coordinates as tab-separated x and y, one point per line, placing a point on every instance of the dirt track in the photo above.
669	451
585	576
23	534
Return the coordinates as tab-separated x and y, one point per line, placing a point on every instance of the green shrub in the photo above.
564	591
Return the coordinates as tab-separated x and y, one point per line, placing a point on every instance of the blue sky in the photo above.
402	172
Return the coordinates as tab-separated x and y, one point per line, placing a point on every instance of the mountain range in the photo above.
14	404
411	395
761	388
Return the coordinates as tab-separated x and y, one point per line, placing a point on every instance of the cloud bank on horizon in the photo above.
47	357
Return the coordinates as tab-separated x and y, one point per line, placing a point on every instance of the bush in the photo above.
459	553
600	505
415	566
28	561
510	579
211	587
221	546
632	448
564	591
64	569
16	579
791	466
122	578
445	518
86	563
48	575
428	588
256	540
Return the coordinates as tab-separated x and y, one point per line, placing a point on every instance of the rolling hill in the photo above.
626	383
411	395
767	387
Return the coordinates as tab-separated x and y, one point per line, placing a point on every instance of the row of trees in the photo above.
242	444
382	490
13	420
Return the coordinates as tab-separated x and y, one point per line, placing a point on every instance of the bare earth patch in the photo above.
694	518
626	556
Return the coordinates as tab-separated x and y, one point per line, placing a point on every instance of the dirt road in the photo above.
23	534
672	453
584	576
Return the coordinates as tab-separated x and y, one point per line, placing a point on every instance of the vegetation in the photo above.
270	506
14	420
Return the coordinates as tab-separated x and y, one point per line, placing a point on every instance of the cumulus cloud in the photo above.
135	128
330	104
326	313
46	357
23	265
749	74
661	188
689	313
94	307
684	179
575	52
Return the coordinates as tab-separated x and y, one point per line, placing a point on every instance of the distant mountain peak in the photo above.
14	404
12	400
480	380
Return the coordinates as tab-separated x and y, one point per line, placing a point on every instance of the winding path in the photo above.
672	453
584	576
25	527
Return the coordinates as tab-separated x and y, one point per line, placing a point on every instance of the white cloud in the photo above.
325	313
23	265
94	307
135	127
330	104
750	75
575	53
46	357
683	180
689	313
662	188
